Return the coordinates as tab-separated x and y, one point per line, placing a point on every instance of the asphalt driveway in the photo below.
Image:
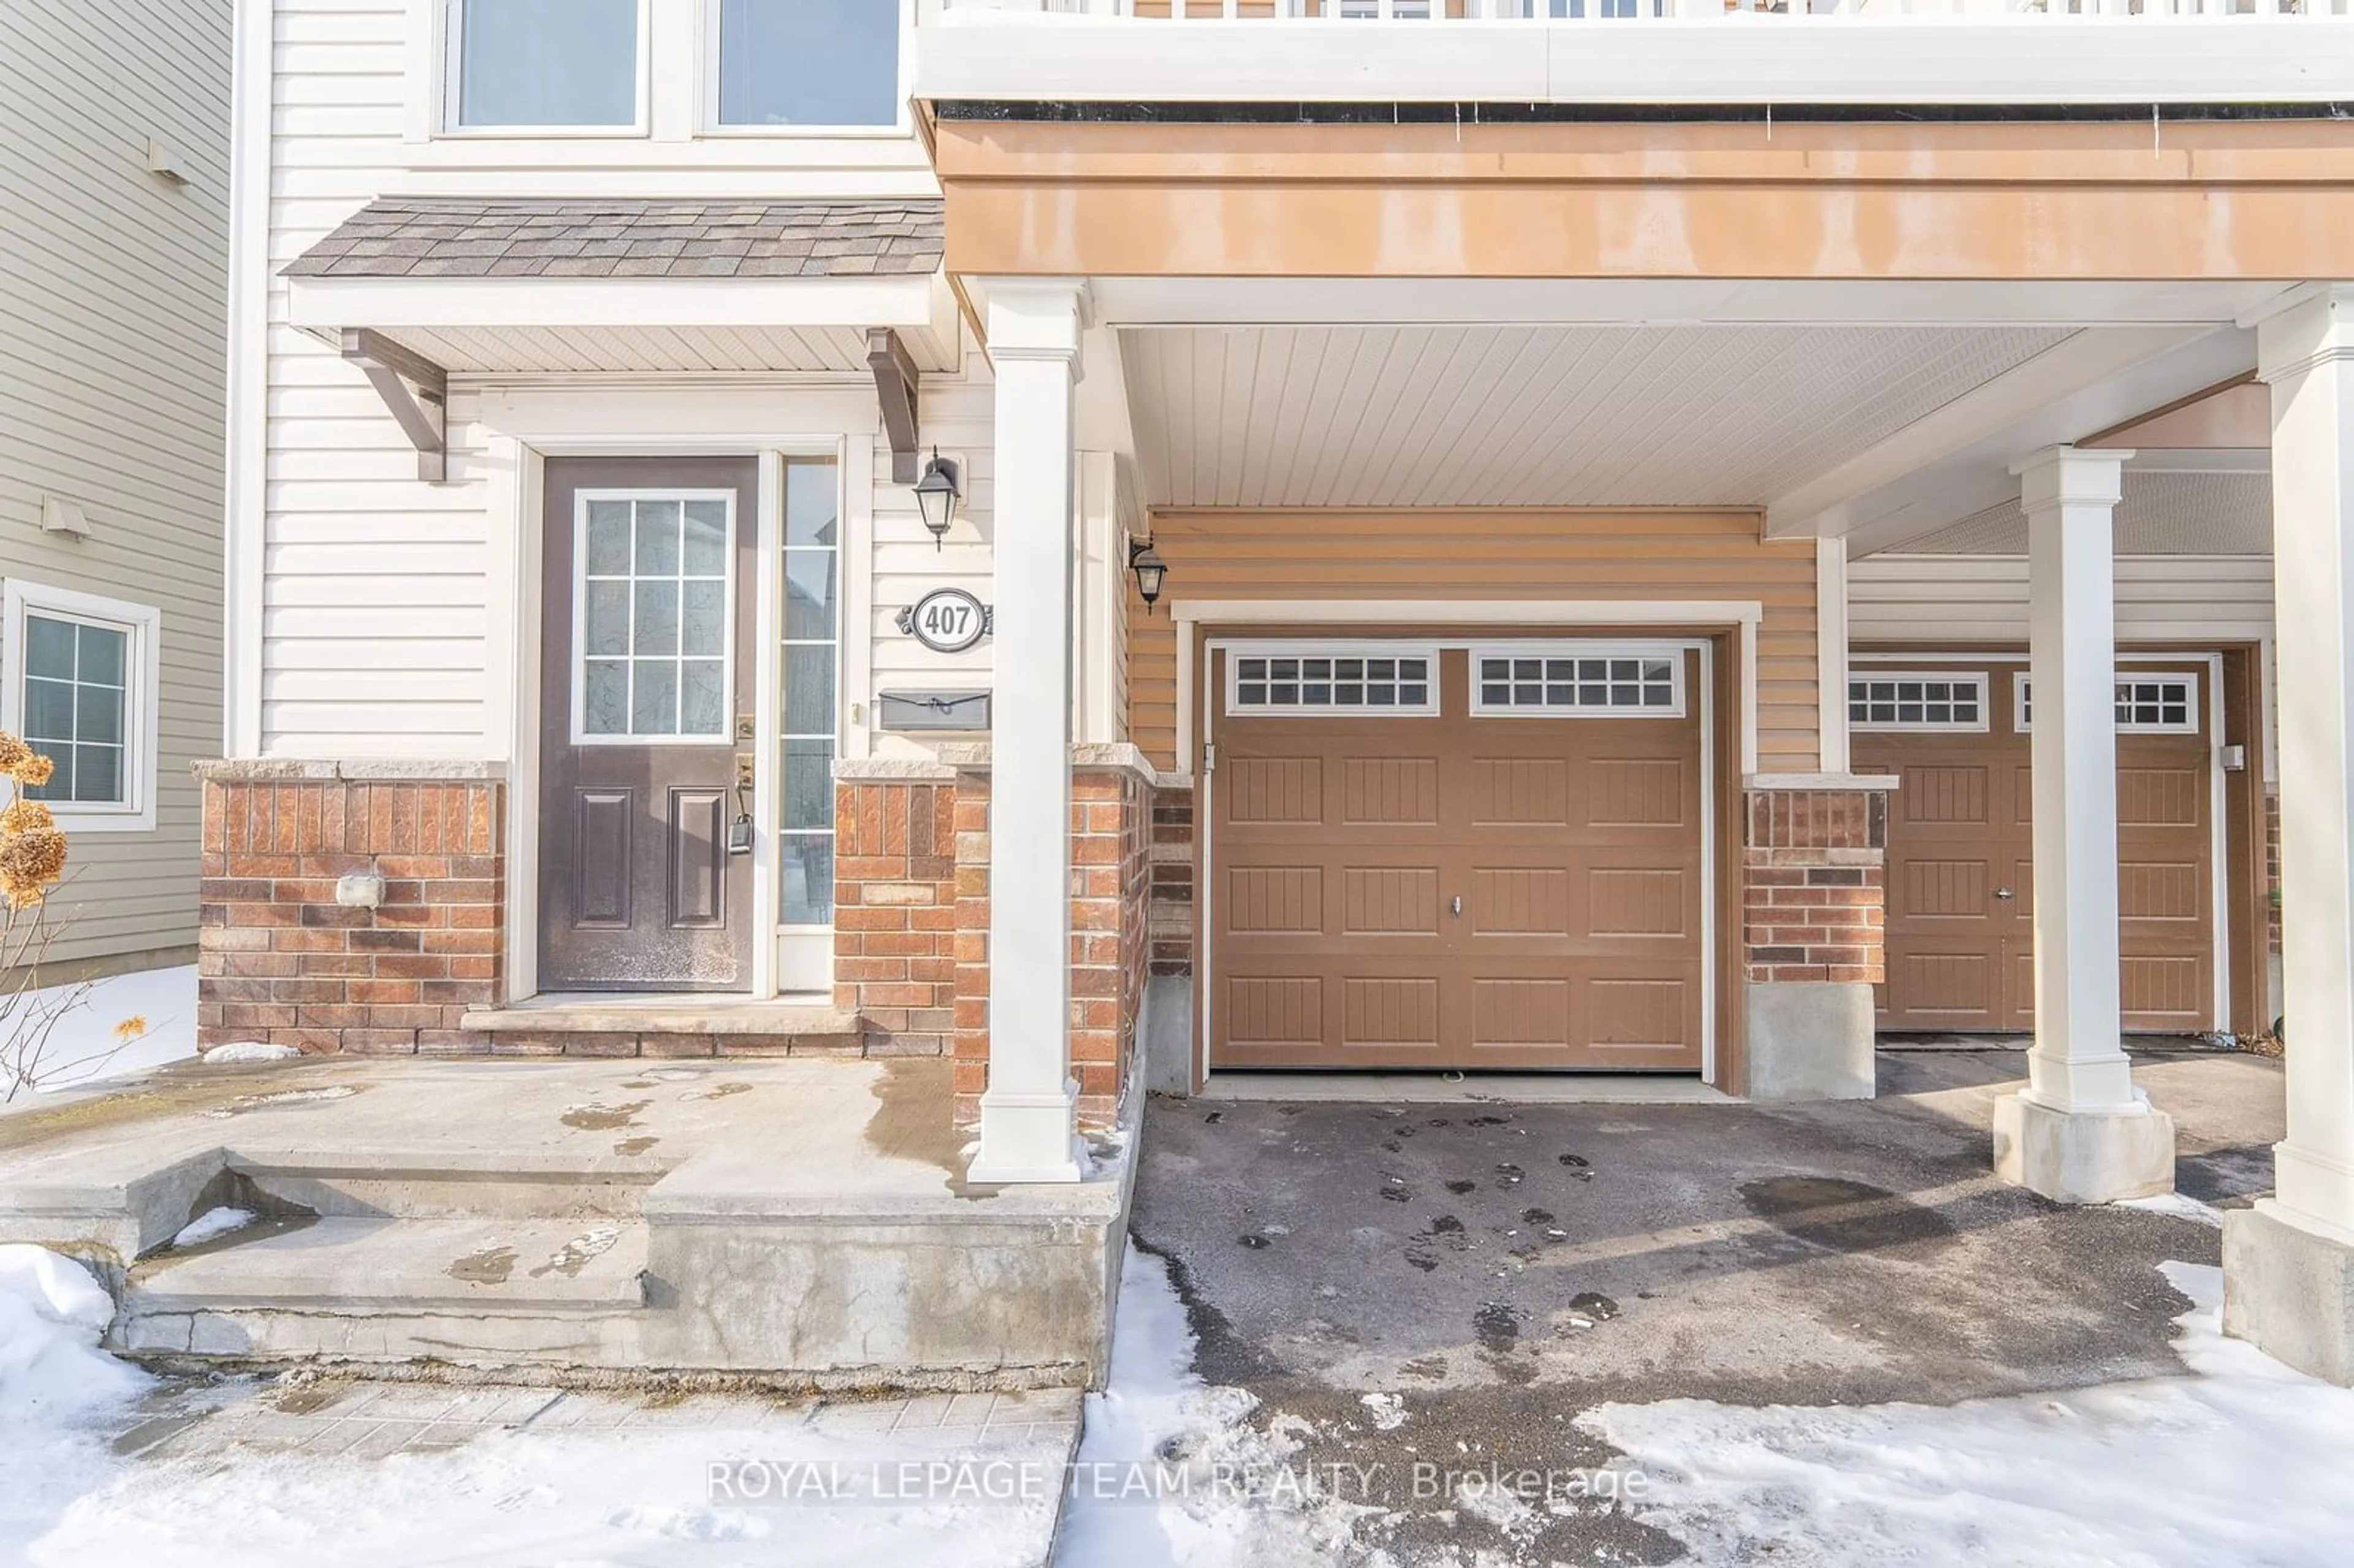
1500	1267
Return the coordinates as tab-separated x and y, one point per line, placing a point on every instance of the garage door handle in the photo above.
1459	904
2004	893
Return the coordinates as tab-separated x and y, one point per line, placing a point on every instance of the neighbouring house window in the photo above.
546	63
813	638
80	693
809	62
1580	684
1917	702
653	615
1330	684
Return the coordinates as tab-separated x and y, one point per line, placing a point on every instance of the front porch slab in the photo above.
786	1222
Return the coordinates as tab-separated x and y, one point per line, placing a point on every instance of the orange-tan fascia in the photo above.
2192	200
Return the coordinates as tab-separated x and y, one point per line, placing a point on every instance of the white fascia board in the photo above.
1738	58
2068	367
912	303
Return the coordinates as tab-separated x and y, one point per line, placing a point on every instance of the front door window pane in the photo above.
547	62
811	641
76	693
809	62
655	616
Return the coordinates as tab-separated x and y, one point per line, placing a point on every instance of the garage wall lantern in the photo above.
1149	568
936	497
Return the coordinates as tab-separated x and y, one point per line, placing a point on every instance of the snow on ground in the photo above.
2244	1461
212	1224
61	1398
1170	1474
166	999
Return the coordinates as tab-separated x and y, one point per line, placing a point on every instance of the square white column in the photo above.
2080	1132
1028	1122
2289	1264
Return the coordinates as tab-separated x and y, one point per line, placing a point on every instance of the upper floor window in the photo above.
546	63
808	62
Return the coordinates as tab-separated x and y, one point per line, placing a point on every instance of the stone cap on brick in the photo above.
440	237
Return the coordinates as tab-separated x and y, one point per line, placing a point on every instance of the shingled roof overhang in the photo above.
485	287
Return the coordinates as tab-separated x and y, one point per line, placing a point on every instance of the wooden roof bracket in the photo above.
415	390
895	381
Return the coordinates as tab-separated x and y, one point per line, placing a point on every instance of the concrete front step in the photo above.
490	1291
670	1026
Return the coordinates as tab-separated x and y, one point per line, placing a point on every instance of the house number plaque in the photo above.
947	621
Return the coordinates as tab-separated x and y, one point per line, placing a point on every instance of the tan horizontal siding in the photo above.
1565	555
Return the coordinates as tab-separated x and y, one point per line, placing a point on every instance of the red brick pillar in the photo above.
1815	903
894	896
282	959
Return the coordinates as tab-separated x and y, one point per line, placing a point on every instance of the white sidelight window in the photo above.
1606	681
655	582
81	690
808	63
547	65
813	642
1918	701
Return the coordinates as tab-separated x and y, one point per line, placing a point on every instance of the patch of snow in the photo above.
2243	1461
2179	1206
60	1396
213	1223
1170	1473
245	1103
165	998
237	1051
1389	1410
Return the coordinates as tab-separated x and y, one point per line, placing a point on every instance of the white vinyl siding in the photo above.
112	333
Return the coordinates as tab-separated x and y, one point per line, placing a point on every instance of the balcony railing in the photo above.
1473	11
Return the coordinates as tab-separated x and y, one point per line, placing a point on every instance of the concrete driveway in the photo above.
1500	1267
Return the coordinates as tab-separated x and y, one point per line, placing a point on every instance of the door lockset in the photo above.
739	831
1459	904
2004	893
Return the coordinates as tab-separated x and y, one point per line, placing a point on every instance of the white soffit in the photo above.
2158	514
1534	416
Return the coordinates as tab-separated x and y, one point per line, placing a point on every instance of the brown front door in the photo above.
1519	888
1960	938
646	658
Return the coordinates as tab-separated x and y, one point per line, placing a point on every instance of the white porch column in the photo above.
2289	1264
1028	1130
2080	1133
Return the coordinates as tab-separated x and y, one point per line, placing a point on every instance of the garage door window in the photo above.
1333	682
2147	705
1905	701
1616	683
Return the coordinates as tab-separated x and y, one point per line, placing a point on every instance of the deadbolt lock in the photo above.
745	730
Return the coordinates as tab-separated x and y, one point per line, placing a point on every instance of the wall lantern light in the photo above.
1150	569
936	497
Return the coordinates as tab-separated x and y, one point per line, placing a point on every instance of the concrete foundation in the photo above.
1168	1034
2083	1157
2289	1291
1809	1041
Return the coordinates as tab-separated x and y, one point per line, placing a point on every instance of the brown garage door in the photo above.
1961	850
1398	881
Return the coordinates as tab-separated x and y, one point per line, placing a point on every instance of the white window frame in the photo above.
708	122
449	55
1322	647
142	673
1981	678
578	641
2194	723
1672	654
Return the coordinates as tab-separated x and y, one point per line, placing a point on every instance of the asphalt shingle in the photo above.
404	237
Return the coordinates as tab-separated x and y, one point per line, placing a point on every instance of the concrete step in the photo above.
483	1291
669	1015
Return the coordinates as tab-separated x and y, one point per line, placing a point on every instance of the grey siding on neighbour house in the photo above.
112	326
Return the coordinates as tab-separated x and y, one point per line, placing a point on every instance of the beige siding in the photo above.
112	312
1962	598
1632	556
